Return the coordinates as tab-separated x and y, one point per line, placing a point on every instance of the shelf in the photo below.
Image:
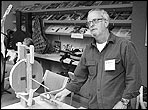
82	22
128	22
54	57
114	7
66	34
65	21
121	22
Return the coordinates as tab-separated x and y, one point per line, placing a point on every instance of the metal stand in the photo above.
4	64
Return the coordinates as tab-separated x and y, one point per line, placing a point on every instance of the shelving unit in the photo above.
110	8
119	22
113	8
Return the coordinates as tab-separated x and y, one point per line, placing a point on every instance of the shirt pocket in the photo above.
92	67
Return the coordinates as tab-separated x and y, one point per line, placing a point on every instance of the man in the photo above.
111	65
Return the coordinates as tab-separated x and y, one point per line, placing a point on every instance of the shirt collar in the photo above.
111	39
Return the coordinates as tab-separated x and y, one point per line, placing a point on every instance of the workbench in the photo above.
39	104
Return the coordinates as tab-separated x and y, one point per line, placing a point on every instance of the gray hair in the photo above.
104	14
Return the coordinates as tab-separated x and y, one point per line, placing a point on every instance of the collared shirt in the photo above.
107	86
100	47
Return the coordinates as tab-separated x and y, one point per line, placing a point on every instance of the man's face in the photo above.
96	23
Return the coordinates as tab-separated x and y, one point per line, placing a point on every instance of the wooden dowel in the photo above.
40	84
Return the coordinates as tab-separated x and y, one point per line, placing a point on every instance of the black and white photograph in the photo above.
73	54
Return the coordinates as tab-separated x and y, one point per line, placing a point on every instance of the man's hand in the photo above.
61	95
120	105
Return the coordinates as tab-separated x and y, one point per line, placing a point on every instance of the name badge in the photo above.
110	65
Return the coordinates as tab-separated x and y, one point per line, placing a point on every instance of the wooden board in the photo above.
18	76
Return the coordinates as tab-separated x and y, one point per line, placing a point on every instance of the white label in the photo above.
77	35
110	65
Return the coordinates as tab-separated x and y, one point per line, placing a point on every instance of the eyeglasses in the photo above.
94	21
